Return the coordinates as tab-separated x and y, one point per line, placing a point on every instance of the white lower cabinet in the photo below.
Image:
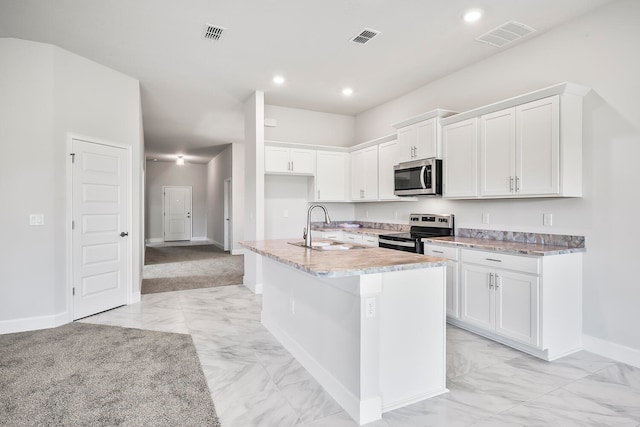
501	301
532	303
453	284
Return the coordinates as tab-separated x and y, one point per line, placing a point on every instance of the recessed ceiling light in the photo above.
347	91
472	15
278	80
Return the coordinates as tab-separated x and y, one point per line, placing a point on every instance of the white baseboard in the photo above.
155	240
33	323
216	244
618	352
362	411
237	251
201	239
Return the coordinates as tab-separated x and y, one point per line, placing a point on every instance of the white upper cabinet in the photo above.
460	146
519	150
528	146
332	176
284	160
388	154
364	174
419	137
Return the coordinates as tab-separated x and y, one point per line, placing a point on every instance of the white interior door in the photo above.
177	213
101	205
227	214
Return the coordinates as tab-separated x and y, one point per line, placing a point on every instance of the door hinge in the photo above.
73	157
73	291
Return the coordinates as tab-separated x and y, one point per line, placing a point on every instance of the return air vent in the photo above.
505	34
365	36
212	32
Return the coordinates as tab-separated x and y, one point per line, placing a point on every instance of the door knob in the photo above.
124	234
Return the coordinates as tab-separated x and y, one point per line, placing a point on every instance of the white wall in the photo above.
237	196
47	93
286	201
161	174
597	50
309	127
218	169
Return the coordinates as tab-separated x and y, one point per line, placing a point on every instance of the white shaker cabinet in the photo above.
332	177
285	160
519	150
453	286
364	174
419	141
532	303
388	157
460	164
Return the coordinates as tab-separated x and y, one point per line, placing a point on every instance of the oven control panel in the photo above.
431	220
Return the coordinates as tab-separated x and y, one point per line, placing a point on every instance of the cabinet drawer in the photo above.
370	240
333	235
353	238
498	260
441	251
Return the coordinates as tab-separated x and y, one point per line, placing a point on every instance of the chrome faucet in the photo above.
307	231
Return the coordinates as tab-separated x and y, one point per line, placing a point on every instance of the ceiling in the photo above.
193	89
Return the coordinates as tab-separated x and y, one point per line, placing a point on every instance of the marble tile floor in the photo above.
254	381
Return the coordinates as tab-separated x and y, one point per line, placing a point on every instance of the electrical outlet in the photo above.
370	308
395	214
366	214
547	219
36	219
485	218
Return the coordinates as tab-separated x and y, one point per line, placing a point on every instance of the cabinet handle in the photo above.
498	281
494	260
318	194
511	184
291	165
490	284
438	252
517	184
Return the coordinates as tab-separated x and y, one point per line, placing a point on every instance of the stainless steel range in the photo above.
422	225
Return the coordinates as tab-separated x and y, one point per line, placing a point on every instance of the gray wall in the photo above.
159	174
598	50
47	93
218	169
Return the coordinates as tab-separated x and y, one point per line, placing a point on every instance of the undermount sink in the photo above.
329	246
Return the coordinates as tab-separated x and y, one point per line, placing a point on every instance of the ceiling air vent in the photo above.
212	32
365	36
505	34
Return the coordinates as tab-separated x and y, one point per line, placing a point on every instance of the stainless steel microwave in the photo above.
418	177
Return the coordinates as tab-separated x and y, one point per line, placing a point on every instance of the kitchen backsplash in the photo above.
522	237
399	228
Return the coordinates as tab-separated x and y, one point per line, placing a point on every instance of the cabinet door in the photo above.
370	168
357	175
387	158
331	176
537	147
460	159
498	153
276	160
427	139
517	310
407	139
477	296
303	161
453	298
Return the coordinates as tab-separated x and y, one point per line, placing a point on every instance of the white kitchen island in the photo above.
368	324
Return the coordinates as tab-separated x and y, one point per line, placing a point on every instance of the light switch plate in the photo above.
36	219
547	219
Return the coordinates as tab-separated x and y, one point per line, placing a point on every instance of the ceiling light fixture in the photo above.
472	15
180	161
278	80
347	91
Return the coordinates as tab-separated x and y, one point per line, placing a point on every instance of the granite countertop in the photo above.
505	246
359	230
341	263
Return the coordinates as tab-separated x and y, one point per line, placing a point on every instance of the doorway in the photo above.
101	219
177	213
227	215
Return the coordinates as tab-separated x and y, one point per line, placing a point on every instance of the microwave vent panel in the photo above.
505	34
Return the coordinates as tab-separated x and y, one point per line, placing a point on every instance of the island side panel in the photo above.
412	336
318	321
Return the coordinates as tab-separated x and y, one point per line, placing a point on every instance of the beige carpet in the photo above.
95	375
177	268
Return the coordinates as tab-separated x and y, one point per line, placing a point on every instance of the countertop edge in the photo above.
494	246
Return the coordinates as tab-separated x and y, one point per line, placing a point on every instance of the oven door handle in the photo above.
397	243
422	181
